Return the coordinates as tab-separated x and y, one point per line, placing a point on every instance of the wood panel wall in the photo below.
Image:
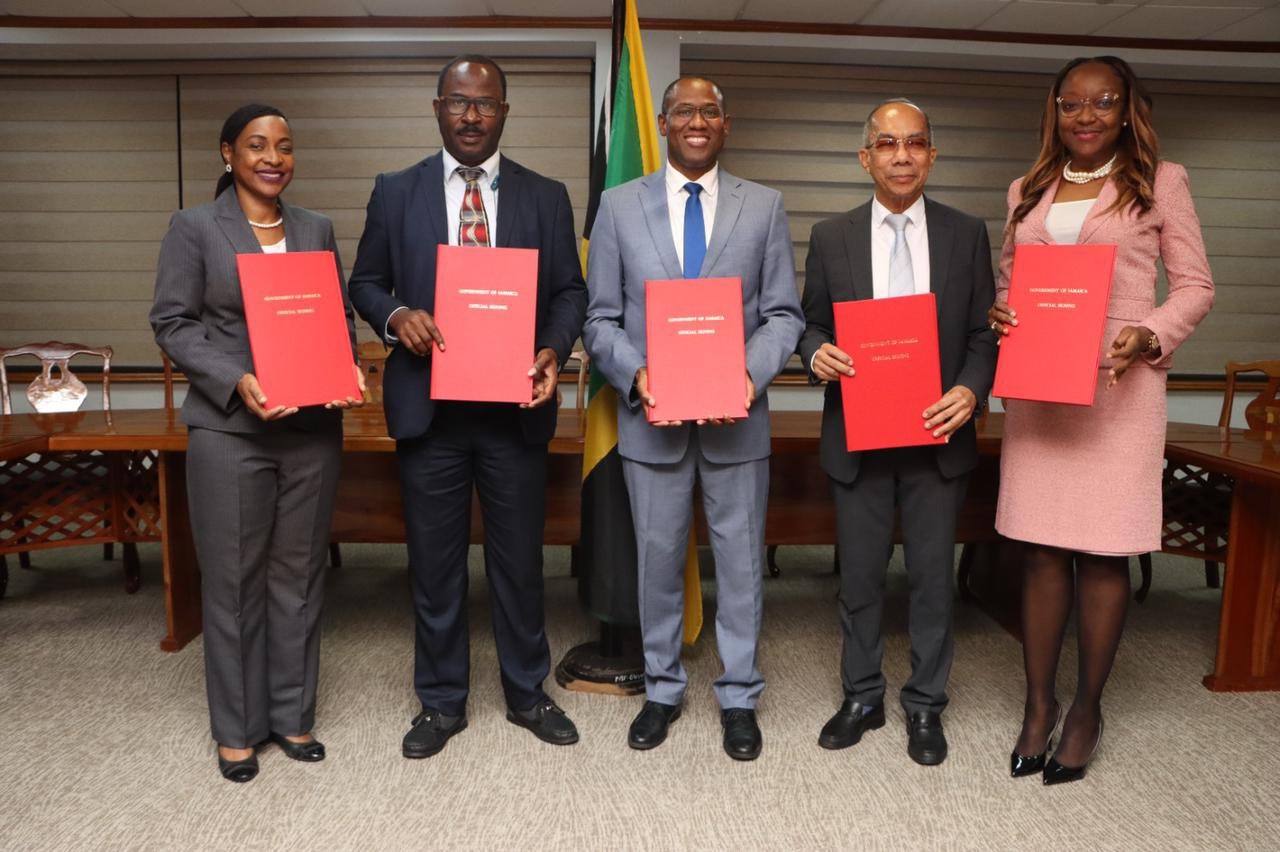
797	127
92	167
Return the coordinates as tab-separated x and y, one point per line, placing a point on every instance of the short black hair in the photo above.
477	58
670	91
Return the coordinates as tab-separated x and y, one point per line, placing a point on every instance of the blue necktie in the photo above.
695	232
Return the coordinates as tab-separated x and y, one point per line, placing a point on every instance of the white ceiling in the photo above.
1249	20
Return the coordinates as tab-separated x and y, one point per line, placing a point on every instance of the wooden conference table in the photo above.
153	443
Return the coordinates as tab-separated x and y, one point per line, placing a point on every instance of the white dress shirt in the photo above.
917	235
677	196
276	248
1065	220
454	188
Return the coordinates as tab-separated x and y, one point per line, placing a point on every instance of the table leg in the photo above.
181	571
1248	641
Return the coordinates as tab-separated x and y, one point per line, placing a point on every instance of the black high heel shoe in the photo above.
239	771
1021	766
306	752
1056	773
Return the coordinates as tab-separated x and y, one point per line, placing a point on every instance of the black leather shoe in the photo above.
649	728
1021	766
306	752
1056	773
926	743
239	771
742	740
849	723
547	721
431	730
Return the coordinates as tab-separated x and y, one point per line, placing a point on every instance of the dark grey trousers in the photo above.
261	507
908	479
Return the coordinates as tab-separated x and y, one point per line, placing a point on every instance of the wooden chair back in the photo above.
583	360
63	391
1263	413
167	366
372	356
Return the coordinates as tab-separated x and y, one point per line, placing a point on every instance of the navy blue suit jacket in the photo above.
396	266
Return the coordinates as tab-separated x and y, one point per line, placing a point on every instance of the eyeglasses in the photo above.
886	145
456	105
1102	104
684	112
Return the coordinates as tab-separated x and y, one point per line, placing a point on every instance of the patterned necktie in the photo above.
902	282
695	232
473	224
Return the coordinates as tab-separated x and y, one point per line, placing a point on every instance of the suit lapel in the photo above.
427	204
728	208
1035	231
511	185
300	235
1093	220
857	245
234	225
941	237
653	200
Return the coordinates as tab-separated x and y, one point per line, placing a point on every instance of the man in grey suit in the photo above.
900	243
693	219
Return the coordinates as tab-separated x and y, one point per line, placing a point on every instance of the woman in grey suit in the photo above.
261	478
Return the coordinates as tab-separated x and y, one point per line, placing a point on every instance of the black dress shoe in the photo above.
547	721
742	740
1056	773
926	743
649	728
306	752
1021	766
239	771
431	730
849	723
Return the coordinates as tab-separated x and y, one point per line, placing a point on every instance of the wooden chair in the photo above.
58	389
372	356
1197	503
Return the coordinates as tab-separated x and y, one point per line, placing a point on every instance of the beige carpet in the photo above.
104	739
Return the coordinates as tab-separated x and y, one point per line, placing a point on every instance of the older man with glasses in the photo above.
898	244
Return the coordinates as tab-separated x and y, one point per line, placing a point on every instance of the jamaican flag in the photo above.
607	575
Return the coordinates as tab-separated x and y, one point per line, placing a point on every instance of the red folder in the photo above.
297	327
696	350
486	308
1060	295
894	347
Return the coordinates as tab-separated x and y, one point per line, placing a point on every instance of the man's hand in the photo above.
416	330
1124	349
545	373
351	401
951	412
831	362
647	400
256	401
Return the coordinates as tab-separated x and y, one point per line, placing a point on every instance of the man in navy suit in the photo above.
468	194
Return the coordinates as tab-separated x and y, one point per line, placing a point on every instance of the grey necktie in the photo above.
902	282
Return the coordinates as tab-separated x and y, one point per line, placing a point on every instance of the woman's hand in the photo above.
1000	317
1128	344
351	401
256	401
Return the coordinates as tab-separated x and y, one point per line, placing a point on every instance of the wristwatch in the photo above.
1153	343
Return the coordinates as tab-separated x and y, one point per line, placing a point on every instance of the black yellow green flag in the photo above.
607	571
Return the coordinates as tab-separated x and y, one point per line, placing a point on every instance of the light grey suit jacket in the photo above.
631	243
198	312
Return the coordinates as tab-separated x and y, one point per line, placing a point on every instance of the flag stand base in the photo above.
613	665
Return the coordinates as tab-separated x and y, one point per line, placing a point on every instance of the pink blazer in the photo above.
1169	231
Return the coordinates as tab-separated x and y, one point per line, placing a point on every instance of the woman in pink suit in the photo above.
1081	485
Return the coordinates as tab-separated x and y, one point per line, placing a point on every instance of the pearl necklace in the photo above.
1084	177
265	225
